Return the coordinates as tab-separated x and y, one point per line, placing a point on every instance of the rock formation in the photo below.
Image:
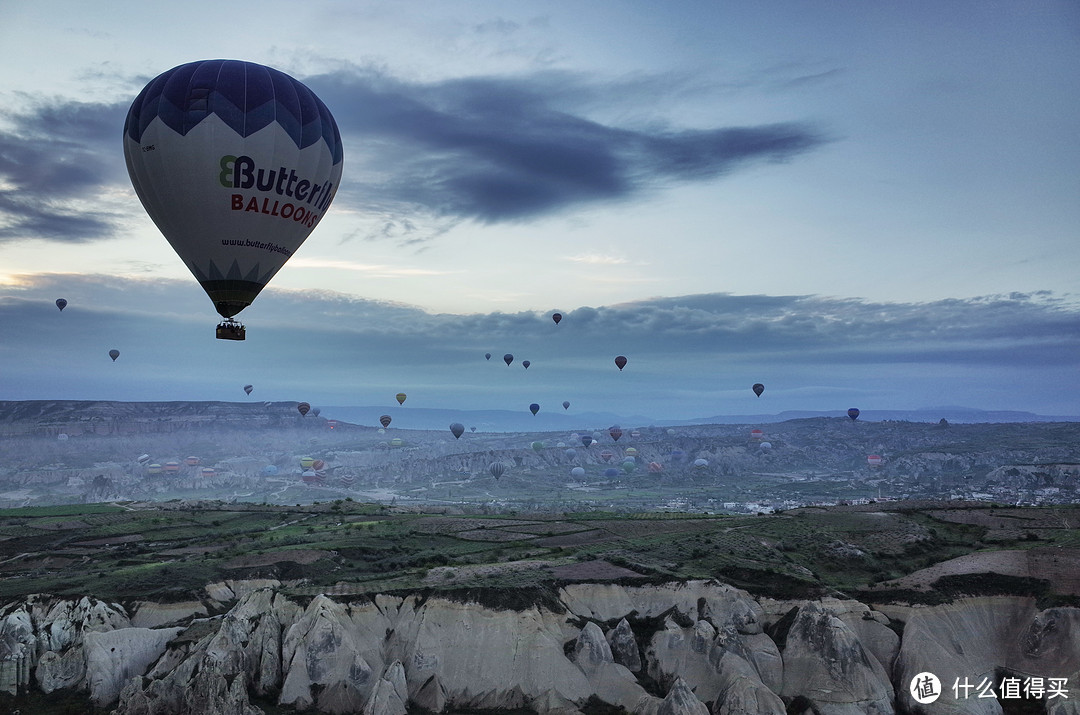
700	647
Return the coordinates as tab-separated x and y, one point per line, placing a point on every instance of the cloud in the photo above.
505	148
56	158
420	157
1019	350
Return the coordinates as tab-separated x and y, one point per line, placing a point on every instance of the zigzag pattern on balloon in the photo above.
246	96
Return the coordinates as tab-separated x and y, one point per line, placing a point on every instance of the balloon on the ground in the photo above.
236	163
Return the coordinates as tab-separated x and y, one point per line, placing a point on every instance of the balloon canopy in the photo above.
758	388
853	413
557	317
236	163
620	362
457	429
525	364
400	398
248	389
534	408
508	358
566	404
114	353
61	303
303	408
385	420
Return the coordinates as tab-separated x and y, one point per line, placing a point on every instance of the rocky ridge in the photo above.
695	647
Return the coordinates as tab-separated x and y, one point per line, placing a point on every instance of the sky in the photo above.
855	204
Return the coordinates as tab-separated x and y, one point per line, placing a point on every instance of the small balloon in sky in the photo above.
620	362
758	388
114	353
61	304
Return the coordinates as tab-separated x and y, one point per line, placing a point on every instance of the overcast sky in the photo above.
856	204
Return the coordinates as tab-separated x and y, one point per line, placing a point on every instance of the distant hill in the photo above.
111	417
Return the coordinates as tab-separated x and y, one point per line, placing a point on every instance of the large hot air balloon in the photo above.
615	432
61	304
534	408
525	364
497	469
457	429
236	163
400	398
248	389
508	358
620	362
557	317
114	353
566	404
853	413
303	408
758	388
385	420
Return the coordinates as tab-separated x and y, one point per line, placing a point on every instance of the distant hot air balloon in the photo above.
487	356
557	317
236	163
586	440
316	410
525	364
631	451
457	429
853	413
537	446
303	408
400	398
248	389
385	420
874	460
577	472
571	453
114	353
701	463
656	467
611	472
606	455
615	432
534	408
620	362
566	404
758	388
497	469
61	304
508	358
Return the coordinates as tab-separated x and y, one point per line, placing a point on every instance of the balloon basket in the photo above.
231	330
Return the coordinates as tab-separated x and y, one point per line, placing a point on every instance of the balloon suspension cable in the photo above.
230	329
